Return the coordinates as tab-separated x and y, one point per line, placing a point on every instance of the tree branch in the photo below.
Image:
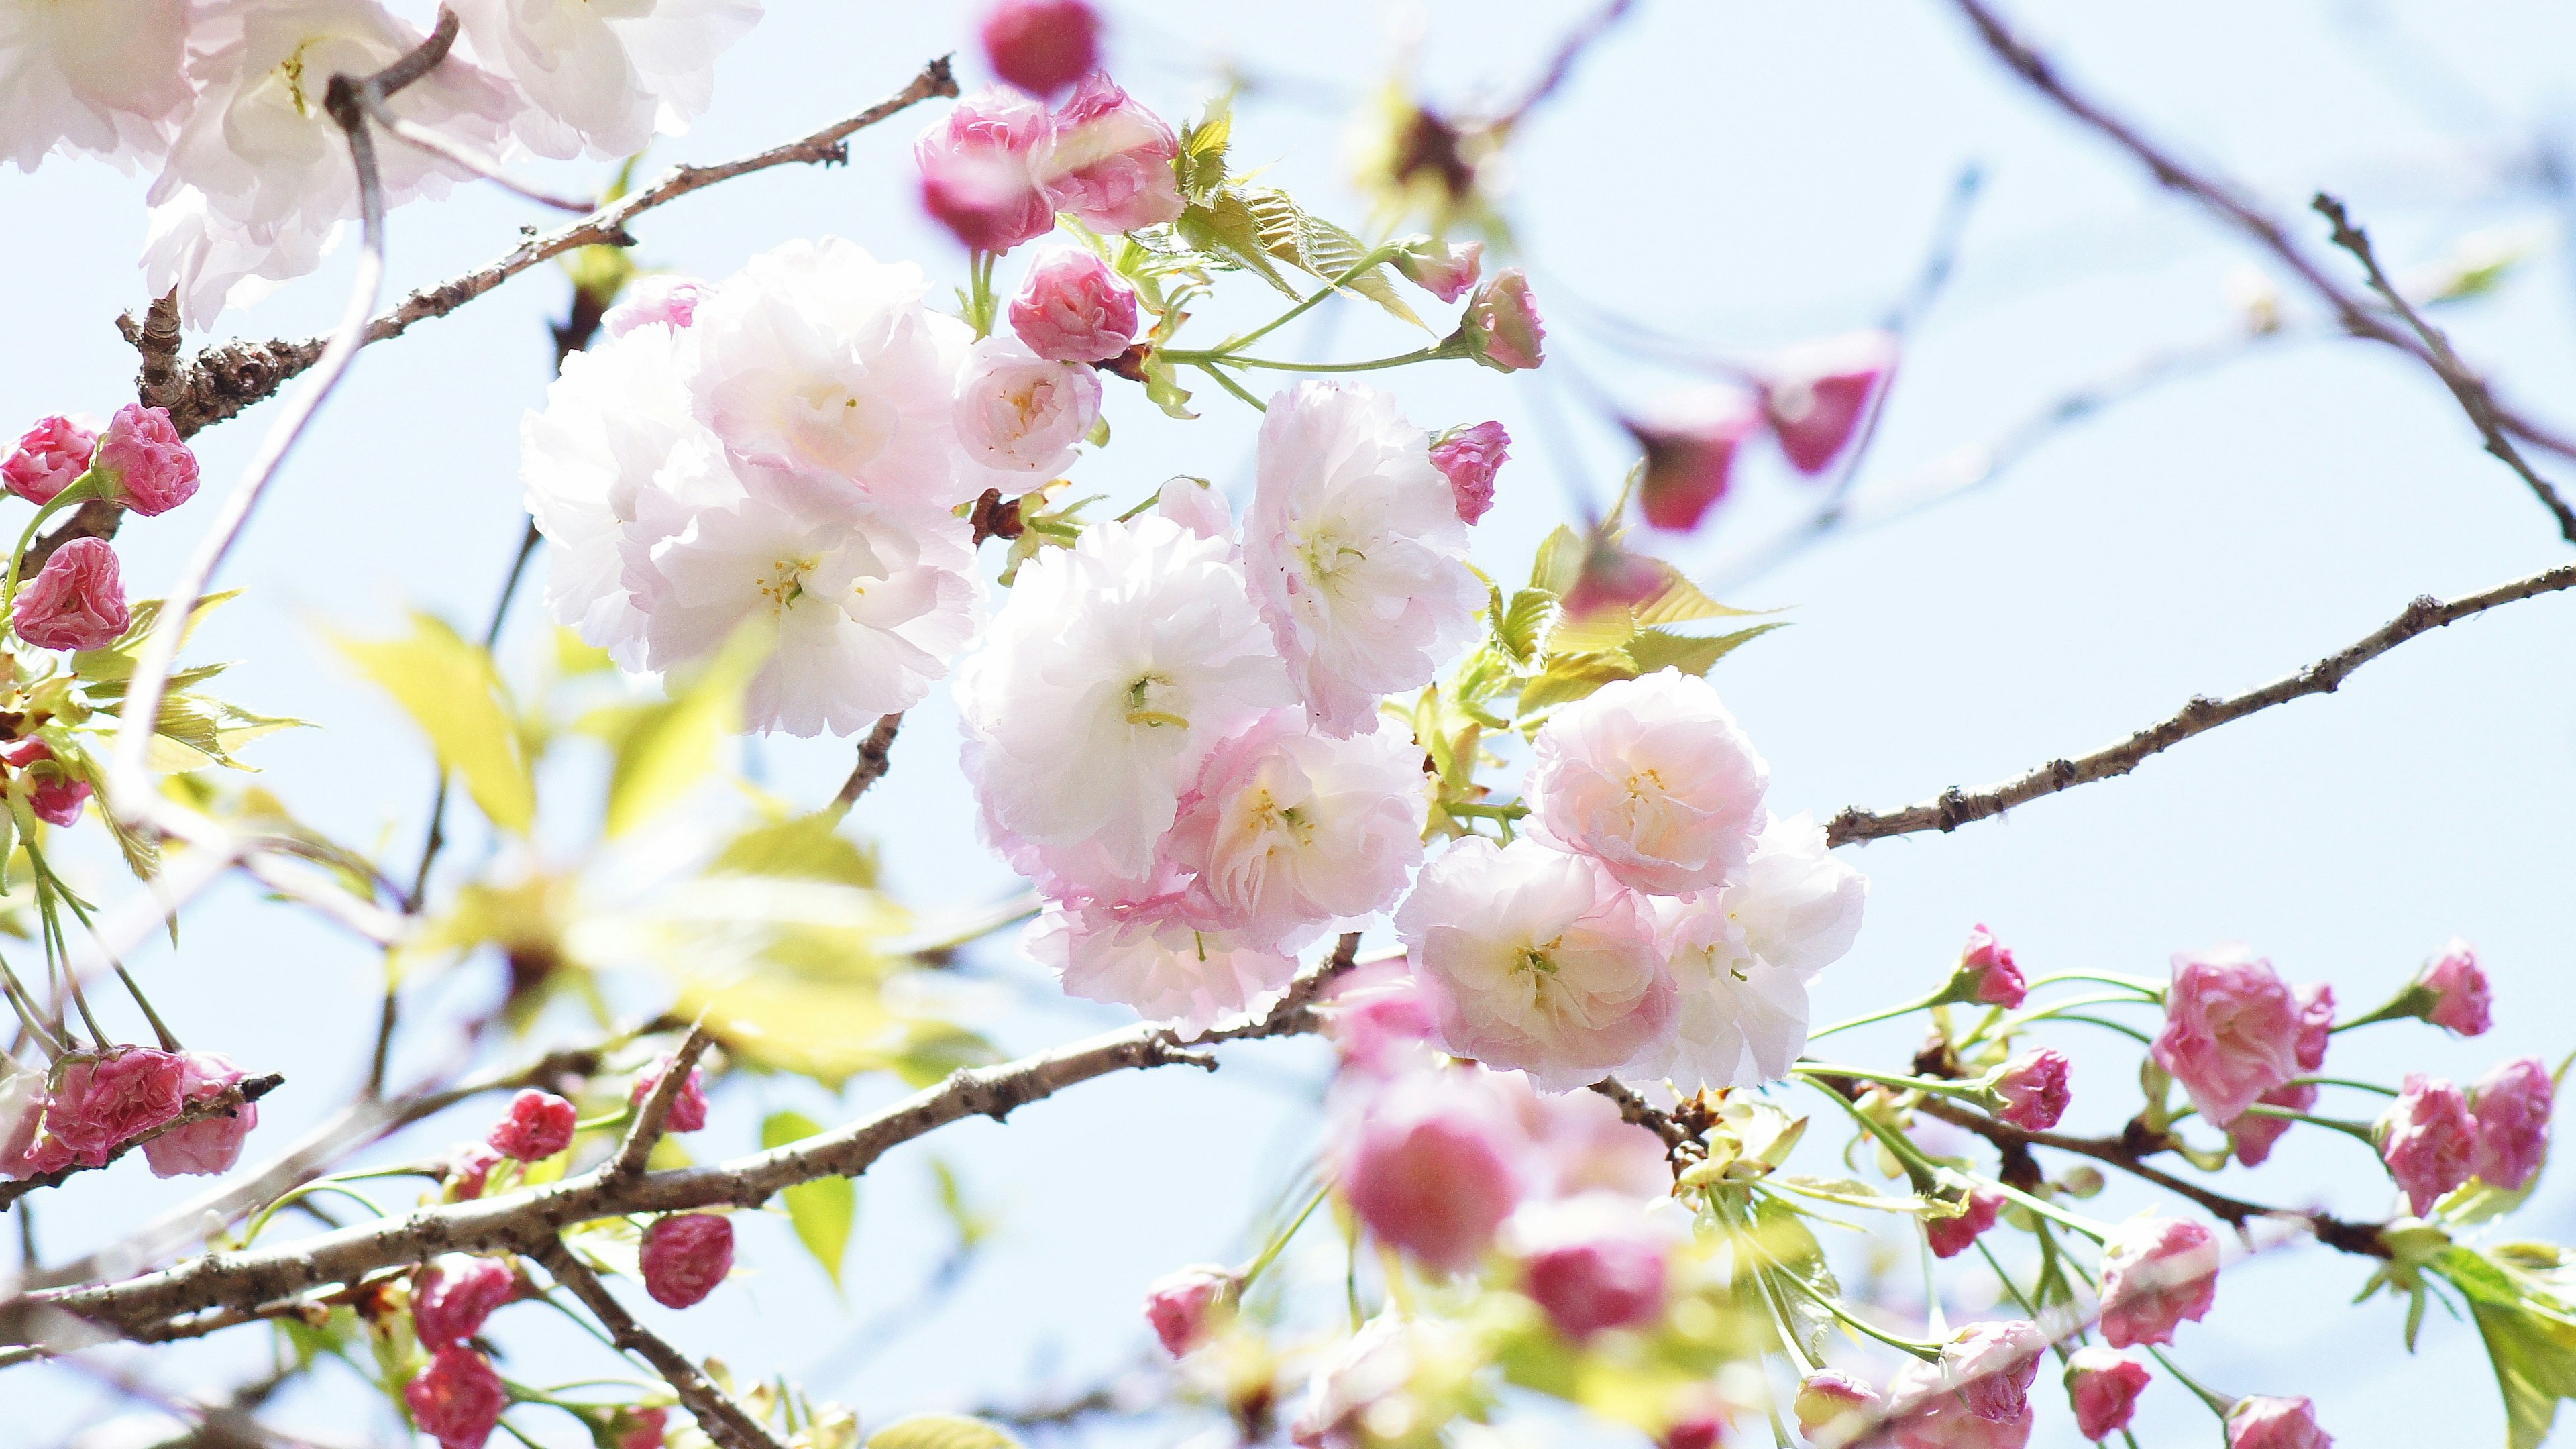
872	763
725	1421
223	1104
655	1113
1955	807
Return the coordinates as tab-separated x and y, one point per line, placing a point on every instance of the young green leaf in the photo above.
674	745
940	1431
822	1209
450	689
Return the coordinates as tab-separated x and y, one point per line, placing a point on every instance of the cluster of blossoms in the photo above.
227	101
91	1104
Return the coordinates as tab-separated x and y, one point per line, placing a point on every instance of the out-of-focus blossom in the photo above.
452	1295
2156	1272
1183	1306
457	1399
1149	956
1926	1411
1834	1408
1991	1365
100	79
2512	1102
662	299
22	1111
1653	778
2231	1030
1592	1264
1469	457
688	1107
1108	160
976	175
1431	1169
1041	46
2263	1422
1816	395
601	80
1690	439
1444	269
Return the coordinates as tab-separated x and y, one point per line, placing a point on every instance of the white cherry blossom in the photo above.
104	78
1150	958
1652	777
602	76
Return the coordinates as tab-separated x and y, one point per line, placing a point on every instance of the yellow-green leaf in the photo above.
808	847
1654	649
940	1431
1523	623
823	1209
672	746
1560	561
1569	677
450	689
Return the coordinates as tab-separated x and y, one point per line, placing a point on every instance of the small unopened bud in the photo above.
641	1428
1951	1236
2033	1088
1469	457
451	1296
1833	1408
53	792
2513	1103
1073	308
2104	1387
457	1399
1690	440
1444	269
686	1256
1041	46
76	601
1816	395
1501	328
1184	1306
688	1109
2429	1140
143	463
2263	1422
2458	986
538	1126
2156	1272
1986	973
48	457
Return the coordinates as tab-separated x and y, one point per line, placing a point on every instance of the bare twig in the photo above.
725	1421
1955	807
1560	67
655	1112
225	1103
872	763
448	148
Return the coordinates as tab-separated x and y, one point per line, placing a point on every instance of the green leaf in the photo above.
1850	1192
1560	561
822	1209
1569	677
1524	622
1319	248
1679	600
674	745
1226	227
1655	649
809	847
940	1431
1200	162
973	1225
451	690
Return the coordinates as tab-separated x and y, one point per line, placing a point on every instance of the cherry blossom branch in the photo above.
2232	205
724	1420
655	1113
872	763
160	1304
225	1103
1955	807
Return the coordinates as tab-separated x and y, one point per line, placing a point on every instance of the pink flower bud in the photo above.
76	601
1469	457
1501	326
1690	439
2261	1422
2429	1140
538	1126
1706	1431
1828	1401
688	1109
2459	990
2231	1030
1594	1264
1951	1236
452	1296
1816	395
2316	1024
975	175
1432	1171
469	1165
1986	973
2105	1388
2253	1136
1108	160
1073	308
211	1144
686	1256
1612	577
641	1428
1183	1306
2512	1102
1444	269
457	1399
1991	1366
2156	1272
52	792
663	299
1041	46
105	1101
2033	1086
143	463
48	457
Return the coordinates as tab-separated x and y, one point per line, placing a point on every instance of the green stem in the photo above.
79	490
1920	1171
28	1017
2218	1403
1926	1085
2349	1129
1878	1016
1927	1351
1230	385
2131	1032
2045	1208
327	1184
1361	268
2144	987
45	877
1374	364
1490	812
2344	1082
1279	1244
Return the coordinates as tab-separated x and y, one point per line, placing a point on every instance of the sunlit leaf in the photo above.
940	1431
672	746
822	1209
1524	623
1654	649
450	689
808	847
1570	677
1317	247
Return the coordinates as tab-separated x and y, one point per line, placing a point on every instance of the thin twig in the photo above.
225	1103
1955	807
1560	67
655	1113
872	763
725	1421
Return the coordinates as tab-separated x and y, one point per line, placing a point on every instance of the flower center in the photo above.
1147	695
784	584
833	425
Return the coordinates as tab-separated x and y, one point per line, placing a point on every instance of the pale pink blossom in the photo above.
1926	1411
1444	269
2429	1140
602	80
2316	1024
2461	999
2231	1030
1378	1018
1431	1168
1653	778
661	299
976	177
1371	1366
2513	1102
1148	956
1073	308
1469	457
104	79
143	463
2104	1387
1991	1365
102	1102
1986	973
1355	551
1952	1236
211	1144
537	1126
1690	439
1592	1264
22	1111
1834	1408
49	456
2156	1272
684	1256
2252	1136
469	1166
76	601
1018	412
457	1398
1576	1143
453	1294
1536	960
2034	1089
1817	395
2263	1422
1184	1305
1501	324
1196	505
1108	160
1041	46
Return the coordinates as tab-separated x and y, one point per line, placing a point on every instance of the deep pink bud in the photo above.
1991	1366
1108	160
1598	1277
2231	1031
1690	440
451	1297
143	463
104	1101
641	1428
2105	1388
1183	1306
1827	1399
2429	1140
686	1256
212	1144
457	1399
53	793
669	300
1041	45
1444	269
48	457
2261	1422
1705	1431
2316	1024
1073	308
2033	1086
688	1109
1469	458
1502	327
2512	1102
1817	395
76	601
1986	973
2156	1272
538	1126
469	1164
1432	1172
2253	1136
2459	989
1951	1236
975	170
